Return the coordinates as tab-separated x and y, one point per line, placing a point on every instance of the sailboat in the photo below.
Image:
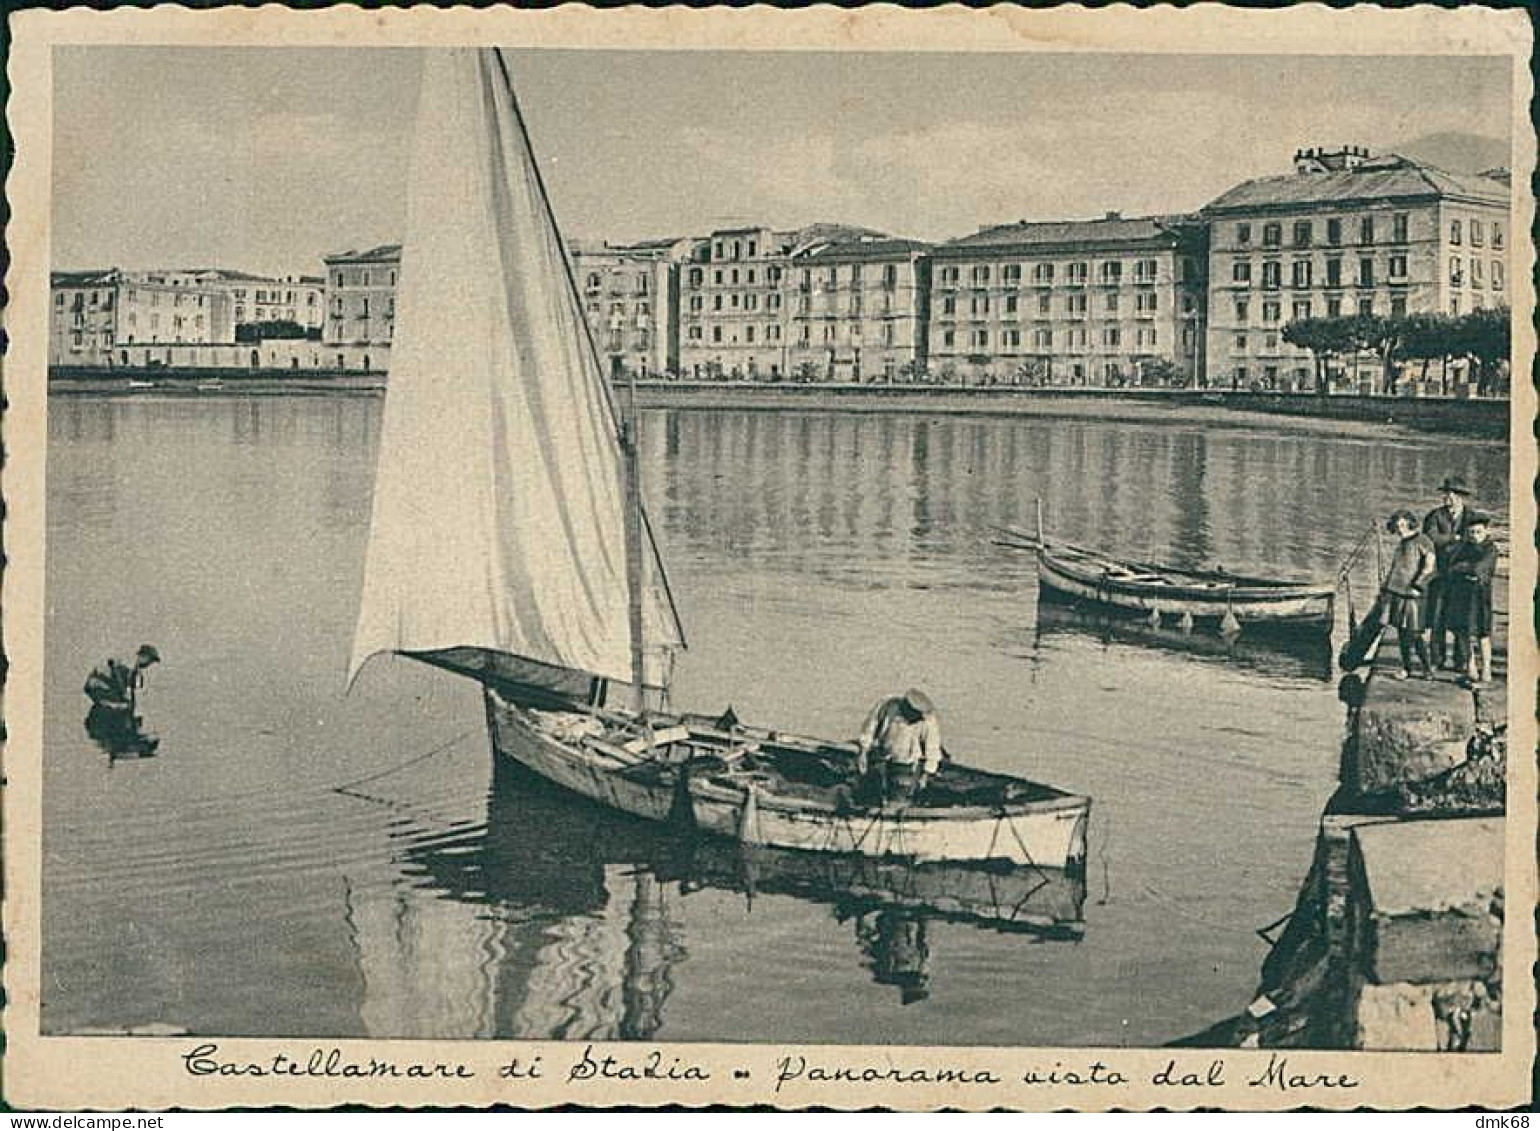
508	542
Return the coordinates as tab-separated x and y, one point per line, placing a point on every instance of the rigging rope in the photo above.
346	786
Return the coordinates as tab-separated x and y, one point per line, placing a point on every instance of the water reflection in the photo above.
1290	656
577	935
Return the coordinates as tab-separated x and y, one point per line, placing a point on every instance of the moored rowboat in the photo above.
1211	598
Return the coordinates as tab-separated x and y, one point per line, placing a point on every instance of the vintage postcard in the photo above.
878	558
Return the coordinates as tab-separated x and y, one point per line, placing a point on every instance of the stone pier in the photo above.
1395	941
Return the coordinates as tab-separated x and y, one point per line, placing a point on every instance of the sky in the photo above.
266	159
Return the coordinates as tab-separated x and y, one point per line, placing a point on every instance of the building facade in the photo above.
1107	302
1346	233
731	306
361	297
630	296
857	310
95	315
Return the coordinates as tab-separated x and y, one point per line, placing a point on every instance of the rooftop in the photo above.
862	249
83	278
1112	228
1390	177
385	253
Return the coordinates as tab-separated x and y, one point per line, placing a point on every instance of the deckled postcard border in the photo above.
121	1072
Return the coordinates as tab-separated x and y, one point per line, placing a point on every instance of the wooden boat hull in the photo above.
1049	831
1301	608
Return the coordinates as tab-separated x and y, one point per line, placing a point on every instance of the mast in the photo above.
632	465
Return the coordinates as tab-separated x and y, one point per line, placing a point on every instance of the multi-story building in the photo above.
731	304
857	310
257	299
630	295
1345	233
361	297
1081	302
96	314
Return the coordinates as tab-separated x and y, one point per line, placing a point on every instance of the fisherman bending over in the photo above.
113	689
899	748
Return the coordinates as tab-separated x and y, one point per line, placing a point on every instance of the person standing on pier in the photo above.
1471	568
1445	527
899	747
1412	566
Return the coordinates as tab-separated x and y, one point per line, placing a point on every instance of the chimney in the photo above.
1113	216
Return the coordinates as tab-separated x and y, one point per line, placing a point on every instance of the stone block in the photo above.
1447	1017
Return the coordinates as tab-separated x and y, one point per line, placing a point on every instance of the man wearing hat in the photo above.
1445	527
900	746
1472	566
113	689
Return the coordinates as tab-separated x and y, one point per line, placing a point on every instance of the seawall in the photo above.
1485	418
1395	941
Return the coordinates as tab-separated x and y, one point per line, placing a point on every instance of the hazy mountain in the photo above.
1457	152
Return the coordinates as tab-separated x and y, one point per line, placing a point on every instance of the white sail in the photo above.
499	524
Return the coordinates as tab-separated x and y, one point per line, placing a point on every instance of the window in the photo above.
1145	271
1334	272
1366	306
1456	271
1303	231
1112	336
716	302
1301	273
1042	272
1075	304
716	334
1240	343
1398	227
1044	304
979	305
696	276
1366	272
1272	235
1042	338
1241	271
1497	236
1454	304
1398	306
1076	274
888	333
1010	304
1366	231
1454	232
695	304
890	275
1272	311
1398	267
593	281
1243	233
1112	271
748	334
1301	310
1272	275
716	277
1476	279
948	338
1477	236
1112	302
1011	274
641	281
1147	302
855	274
949	275
1270	342
834	277
980	276
1497	274
1242	310
949	304
772	301
1334	231
1334	307
980	339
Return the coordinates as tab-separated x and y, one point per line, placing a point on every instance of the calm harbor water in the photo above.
302	861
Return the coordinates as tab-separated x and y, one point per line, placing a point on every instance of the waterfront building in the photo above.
83	317
259	299
732	300
857	310
630	295
1345	233
1107	302
361	298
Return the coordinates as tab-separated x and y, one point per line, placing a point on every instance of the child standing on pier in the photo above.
1412	566
1471	568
